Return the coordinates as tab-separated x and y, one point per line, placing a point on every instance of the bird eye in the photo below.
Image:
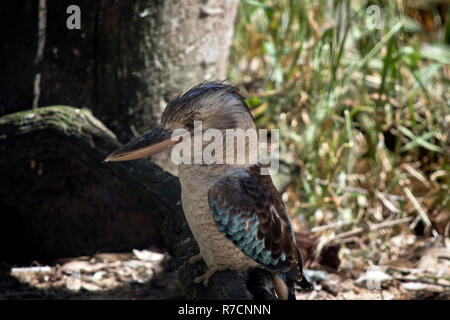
189	124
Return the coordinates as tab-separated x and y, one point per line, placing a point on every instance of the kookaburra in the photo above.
234	212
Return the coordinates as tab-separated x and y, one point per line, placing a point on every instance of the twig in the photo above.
31	269
416	174
347	234
371	228
430	276
331	226
422	281
422	213
344	188
392	197
386	202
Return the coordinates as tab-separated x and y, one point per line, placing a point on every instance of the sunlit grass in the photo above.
363	112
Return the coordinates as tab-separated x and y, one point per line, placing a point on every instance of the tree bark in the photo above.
125	63
59	200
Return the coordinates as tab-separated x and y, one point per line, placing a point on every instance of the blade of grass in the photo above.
397	27
416	141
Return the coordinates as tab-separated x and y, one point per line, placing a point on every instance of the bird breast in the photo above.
216	249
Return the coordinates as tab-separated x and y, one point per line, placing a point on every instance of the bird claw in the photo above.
205	277
195	259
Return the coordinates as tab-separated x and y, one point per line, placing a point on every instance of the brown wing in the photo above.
248	211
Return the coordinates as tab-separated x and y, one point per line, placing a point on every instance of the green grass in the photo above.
358	109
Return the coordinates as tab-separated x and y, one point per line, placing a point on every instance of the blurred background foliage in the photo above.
362	107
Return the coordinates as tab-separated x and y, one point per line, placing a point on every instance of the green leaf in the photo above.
437	52
253	102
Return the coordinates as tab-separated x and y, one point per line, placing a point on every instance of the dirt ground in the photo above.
407	267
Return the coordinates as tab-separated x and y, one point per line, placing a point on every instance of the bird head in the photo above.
215	105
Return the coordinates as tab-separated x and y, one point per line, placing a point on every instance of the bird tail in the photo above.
284	286
303	282
281	287
285	289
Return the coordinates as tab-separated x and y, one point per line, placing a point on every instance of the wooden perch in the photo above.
59	200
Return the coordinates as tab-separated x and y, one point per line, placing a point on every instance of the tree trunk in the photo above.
58	199
125	63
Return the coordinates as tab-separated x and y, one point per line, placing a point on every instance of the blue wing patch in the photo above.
248	211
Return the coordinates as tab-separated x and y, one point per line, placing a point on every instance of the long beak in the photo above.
148	144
